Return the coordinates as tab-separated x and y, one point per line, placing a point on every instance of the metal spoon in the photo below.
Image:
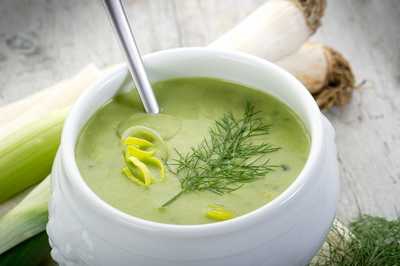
121	24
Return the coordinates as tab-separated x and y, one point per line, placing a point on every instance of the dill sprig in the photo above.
372	241
227	159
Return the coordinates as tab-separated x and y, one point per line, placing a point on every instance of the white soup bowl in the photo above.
85	230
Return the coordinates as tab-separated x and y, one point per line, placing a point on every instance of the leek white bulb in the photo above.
275	30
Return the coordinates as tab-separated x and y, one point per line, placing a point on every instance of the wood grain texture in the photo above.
44	41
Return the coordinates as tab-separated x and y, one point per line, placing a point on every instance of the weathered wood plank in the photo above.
368	130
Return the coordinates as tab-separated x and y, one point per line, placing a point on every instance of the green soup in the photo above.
189	108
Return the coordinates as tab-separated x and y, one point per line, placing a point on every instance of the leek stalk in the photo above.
56	97
26	219
27	155
32	252
30	132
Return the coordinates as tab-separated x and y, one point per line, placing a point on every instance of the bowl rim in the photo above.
67	152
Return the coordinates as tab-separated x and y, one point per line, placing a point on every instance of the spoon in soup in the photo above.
125	35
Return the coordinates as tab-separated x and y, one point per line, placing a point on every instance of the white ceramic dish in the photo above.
84	230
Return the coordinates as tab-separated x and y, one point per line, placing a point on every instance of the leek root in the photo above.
325	73
268	33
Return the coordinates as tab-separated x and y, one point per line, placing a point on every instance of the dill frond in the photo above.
372	241
227	159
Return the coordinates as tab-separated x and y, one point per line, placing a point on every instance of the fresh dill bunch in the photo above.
371	241
228	158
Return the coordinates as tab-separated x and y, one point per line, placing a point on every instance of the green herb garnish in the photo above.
370	241
228	159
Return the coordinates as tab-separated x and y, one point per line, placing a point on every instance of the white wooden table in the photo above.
44	41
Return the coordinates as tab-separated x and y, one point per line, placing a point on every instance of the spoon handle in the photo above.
122	28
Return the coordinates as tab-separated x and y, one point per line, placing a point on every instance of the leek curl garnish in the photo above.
141	147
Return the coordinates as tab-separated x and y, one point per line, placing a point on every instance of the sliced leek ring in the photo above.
138	142
159	164
142	132
156	122
133	178
132	150
144	171
149	135
219	213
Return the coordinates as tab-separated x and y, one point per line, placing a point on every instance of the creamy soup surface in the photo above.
189	108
